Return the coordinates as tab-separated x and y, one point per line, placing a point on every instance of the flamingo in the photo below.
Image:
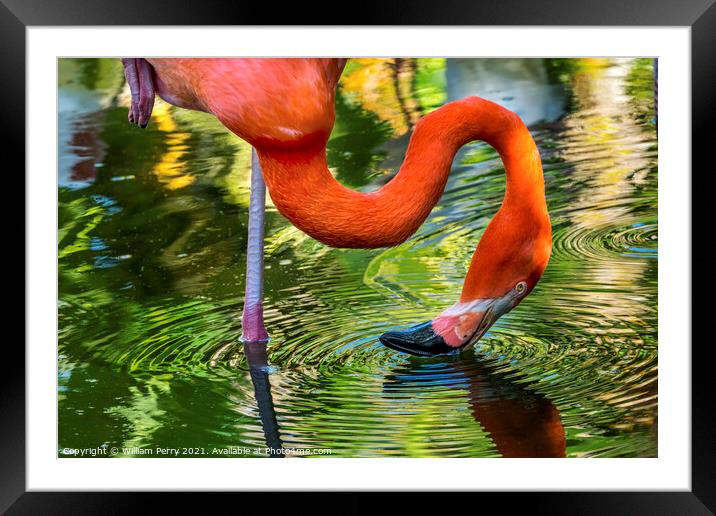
284	108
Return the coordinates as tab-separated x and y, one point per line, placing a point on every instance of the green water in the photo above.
152	238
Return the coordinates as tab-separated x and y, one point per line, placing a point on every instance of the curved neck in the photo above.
304	191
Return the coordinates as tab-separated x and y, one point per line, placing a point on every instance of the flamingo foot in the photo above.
140	78
420	340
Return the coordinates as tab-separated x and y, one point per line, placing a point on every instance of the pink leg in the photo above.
139	75
253	329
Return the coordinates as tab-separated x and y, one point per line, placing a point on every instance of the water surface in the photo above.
152	237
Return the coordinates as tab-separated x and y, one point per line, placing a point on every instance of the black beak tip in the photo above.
420	340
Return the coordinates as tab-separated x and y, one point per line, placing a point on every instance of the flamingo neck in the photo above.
304	191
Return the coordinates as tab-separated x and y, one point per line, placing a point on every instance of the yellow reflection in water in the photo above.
171	169
611	170
384	86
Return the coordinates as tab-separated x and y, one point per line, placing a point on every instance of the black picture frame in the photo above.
700	15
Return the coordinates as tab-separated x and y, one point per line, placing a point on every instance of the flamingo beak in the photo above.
444	334
420	340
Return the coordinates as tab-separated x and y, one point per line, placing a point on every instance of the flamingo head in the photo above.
462	324
507	267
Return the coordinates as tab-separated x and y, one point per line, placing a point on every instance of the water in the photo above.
152	237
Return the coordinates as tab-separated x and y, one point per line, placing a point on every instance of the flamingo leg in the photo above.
253	329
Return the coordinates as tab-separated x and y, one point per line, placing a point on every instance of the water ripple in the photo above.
571	372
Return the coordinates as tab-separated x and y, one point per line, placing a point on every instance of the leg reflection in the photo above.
258	368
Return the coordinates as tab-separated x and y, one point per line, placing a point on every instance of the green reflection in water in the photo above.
353	148
152	231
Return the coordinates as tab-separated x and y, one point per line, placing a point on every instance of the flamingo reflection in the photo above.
520	421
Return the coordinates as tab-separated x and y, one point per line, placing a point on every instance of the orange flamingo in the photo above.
285	109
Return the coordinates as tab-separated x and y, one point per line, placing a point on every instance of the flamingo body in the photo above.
260	100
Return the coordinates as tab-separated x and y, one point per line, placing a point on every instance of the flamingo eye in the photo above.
521	287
